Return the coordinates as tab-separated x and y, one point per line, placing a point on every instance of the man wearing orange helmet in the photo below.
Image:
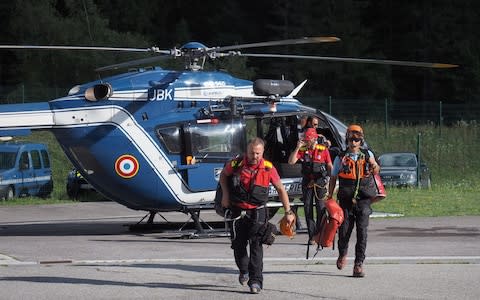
245	183
316	167
354	169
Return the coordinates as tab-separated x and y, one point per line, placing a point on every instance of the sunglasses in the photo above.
355	139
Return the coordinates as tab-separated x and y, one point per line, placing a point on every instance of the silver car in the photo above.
399	169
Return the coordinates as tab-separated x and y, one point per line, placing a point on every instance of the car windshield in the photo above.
7	160
398	160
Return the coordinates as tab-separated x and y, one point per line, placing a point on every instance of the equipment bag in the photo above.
331	219
267	233
380	189
218	202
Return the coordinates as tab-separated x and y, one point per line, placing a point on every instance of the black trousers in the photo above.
355	214
309	200
245	232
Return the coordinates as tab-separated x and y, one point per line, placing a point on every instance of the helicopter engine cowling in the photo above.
269	87
98	92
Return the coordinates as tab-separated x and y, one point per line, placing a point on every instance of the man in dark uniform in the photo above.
354	168
245	183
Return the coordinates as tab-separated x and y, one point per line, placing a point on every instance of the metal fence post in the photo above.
440	119
330	105
386	117
418	159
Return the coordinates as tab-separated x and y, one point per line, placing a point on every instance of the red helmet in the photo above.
311	133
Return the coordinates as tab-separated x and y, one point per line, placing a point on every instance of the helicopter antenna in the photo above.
297	89
88	21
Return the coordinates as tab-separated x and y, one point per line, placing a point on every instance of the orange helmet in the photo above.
287	230
355	127
354	130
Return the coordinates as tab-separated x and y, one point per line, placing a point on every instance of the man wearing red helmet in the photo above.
354	169
316	168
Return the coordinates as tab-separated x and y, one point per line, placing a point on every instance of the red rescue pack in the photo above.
331	220
381	193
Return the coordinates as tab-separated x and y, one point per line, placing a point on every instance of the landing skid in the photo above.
195	227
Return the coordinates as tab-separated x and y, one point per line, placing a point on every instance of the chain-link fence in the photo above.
396	112
25	94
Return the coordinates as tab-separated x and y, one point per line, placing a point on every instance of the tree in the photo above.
61	23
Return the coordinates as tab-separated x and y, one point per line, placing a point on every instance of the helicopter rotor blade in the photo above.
131	63
59	47
355	60
304	40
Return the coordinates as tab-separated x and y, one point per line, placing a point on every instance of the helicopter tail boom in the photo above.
18	119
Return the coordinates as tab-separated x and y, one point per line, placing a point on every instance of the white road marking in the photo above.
6	260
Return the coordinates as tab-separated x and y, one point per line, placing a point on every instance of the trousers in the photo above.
310	195
357	214
245	232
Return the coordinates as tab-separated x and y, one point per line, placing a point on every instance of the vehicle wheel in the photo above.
46	190
428	184
9	195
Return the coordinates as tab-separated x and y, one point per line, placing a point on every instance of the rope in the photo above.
315	186
357	171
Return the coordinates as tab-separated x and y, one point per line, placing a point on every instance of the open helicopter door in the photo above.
208	144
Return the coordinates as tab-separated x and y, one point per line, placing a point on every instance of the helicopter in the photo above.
156	140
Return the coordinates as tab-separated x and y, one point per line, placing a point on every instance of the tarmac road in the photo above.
85	251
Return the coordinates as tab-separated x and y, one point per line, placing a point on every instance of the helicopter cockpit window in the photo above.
216	141
170	137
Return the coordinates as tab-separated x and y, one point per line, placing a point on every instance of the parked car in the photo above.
76	184
25	170
399	169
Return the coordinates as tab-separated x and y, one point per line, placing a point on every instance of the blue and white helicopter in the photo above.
156	140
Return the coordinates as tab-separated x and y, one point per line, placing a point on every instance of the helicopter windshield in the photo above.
215	139
170	136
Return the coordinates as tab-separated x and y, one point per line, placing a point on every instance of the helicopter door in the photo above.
207	147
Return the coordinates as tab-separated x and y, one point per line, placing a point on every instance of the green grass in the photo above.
450	153
441	200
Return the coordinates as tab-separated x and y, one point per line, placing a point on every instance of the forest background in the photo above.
429	30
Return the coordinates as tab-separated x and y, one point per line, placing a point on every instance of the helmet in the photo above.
354	131
355	127
287	230
311	133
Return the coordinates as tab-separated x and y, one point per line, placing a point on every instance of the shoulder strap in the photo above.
236	162
267	164
365	152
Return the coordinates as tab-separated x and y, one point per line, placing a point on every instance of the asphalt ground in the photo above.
86	251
